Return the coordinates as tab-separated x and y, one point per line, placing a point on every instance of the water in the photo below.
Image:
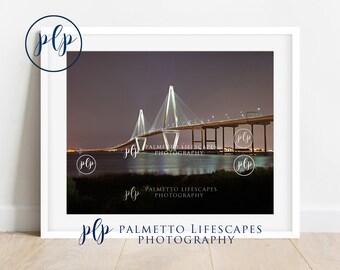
113	162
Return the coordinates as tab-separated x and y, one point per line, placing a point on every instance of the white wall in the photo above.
320	83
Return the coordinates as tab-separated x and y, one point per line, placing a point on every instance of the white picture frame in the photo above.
284	223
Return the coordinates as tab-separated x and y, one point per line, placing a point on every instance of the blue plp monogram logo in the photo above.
64	34
60	47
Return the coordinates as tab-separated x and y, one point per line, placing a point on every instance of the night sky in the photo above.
106	90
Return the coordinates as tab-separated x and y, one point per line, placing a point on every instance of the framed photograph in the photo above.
182	126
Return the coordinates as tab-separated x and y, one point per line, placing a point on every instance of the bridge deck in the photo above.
257	120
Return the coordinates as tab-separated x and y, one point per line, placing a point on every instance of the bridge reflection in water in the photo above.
175	116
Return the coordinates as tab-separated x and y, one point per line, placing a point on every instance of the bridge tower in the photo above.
140	131
172	116
170	119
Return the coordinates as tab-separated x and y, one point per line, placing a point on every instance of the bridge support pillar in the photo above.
216	139
193	141
265	137
192	138
139	148
166	141
206	140
223	145
234	138
252	143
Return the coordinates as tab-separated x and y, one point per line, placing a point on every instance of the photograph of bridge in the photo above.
163	129
174	116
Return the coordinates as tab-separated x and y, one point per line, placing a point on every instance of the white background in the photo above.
320	58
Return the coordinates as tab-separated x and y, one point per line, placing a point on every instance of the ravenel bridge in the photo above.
175	116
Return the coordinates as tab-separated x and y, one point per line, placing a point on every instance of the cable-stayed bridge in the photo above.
175	116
